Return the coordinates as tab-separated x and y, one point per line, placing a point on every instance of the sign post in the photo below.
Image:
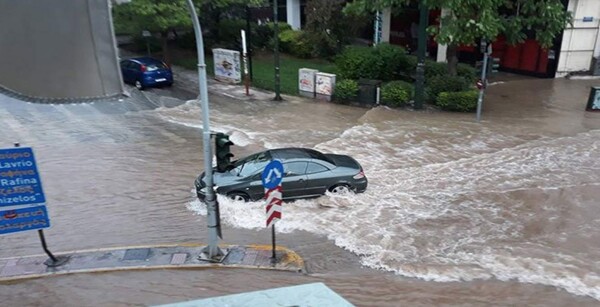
22	200
271	180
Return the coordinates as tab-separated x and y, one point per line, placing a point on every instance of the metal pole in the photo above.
273	257
212	250
45	247
276	50
376	37
484	69
422	45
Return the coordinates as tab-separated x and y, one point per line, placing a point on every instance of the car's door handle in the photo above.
300	180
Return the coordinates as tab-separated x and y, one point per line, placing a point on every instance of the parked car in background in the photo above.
146	72
307	173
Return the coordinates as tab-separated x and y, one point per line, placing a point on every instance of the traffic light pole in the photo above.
212	252
484	69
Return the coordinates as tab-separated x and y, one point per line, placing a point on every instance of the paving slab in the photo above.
149	257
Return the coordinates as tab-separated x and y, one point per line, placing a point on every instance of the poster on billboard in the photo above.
324	85
227	65
306	82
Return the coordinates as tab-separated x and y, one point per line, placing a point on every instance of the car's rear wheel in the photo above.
139	85
340	189
238	196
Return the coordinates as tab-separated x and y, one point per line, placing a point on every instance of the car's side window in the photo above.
295	168
315	168
135	66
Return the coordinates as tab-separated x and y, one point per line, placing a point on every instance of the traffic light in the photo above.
494	64
223	153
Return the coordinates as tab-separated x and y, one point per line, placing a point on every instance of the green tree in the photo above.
327	28
469	21
156	16
163	16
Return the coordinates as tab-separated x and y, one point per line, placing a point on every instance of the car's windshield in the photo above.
251	164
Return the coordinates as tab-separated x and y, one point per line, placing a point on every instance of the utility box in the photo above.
227	65
594	99
367	91
325	84
306	82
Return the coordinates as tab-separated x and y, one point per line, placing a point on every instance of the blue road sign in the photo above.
24	218
20	192
20	182
272	175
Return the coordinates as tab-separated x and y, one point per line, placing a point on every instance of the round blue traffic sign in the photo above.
272	175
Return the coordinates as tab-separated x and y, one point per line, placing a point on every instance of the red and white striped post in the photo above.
274	206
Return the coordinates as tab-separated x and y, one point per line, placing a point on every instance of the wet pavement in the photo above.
503	212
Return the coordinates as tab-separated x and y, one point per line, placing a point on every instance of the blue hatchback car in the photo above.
146	72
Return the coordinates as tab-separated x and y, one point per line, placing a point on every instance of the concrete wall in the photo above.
58	49
579	42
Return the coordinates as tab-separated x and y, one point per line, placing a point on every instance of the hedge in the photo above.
295	43
439	84
397	93
382	62
346	90
465	101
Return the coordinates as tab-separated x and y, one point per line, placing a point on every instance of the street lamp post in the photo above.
276	50
422	46
212	251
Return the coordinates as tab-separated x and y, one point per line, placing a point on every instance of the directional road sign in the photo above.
22	201
271	178
272	175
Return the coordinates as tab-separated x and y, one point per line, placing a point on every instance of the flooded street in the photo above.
502	212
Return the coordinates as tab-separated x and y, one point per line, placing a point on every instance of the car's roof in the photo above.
297	153
145	60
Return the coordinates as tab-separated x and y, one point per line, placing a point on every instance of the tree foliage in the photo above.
327	28
469	20
152	15
162	16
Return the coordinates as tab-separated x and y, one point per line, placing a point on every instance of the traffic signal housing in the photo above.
223	152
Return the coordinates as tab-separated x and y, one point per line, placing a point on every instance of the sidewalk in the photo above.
183	256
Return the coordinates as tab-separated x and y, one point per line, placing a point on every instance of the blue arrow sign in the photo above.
272	175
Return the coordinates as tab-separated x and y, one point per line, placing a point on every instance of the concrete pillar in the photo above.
386	21
442	49
293	14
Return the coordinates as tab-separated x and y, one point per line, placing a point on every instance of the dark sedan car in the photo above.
307	173
145	72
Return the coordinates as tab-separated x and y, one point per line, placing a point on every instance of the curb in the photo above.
113	259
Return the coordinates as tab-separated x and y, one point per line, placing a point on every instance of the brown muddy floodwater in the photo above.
502	212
